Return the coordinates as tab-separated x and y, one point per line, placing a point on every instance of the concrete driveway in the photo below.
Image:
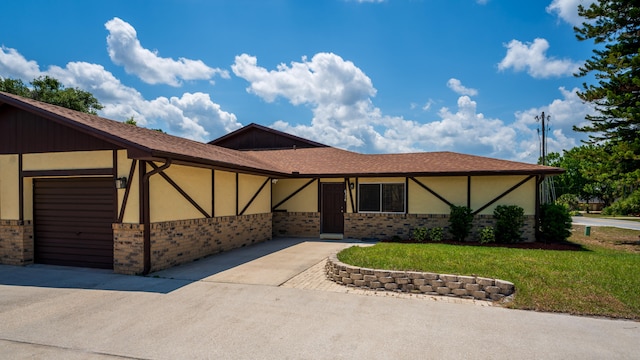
209	310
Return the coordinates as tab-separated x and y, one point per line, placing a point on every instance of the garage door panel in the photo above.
73	219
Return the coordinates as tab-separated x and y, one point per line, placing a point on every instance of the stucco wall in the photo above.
304	201
68	160
167	204
9	187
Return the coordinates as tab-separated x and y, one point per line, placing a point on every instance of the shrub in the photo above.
555	223
570	201
627	206
435	234
487	235
420	234
509	221
460	221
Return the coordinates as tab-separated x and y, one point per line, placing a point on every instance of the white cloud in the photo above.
14	65
458	88
125	49
567	10
532	57
325	79
353	122
194	116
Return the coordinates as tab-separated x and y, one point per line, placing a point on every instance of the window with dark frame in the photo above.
381	197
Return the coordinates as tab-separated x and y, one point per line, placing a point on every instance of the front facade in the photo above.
80	190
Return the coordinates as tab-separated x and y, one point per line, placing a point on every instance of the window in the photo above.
381	198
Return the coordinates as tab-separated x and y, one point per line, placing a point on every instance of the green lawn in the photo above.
602	279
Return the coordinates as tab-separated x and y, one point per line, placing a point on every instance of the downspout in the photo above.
147	217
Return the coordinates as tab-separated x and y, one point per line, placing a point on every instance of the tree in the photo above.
614	25
14	86
51	90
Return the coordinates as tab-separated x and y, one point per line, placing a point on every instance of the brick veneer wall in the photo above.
178	242
472	287
16	242
296	224
386	226
128	248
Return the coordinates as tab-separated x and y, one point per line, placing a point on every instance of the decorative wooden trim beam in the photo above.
179	189
406	195
237	193
254	196
114	171
468	192
504	194
273	208
348	183
21	191
145	208
125	198
213	192
431	191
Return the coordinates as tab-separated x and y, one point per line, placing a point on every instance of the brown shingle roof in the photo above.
143	143
148	144
335	162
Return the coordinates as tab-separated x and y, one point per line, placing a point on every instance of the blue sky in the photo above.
369	76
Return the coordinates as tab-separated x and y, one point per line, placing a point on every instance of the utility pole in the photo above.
543	149
547	189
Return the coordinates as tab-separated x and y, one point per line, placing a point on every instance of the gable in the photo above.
257	137
25	132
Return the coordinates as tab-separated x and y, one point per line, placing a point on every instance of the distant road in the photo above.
624	224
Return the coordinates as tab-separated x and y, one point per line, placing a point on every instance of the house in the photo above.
80	190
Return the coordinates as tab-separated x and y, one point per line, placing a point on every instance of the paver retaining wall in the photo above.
471	287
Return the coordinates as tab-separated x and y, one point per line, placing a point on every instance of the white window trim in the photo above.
404	198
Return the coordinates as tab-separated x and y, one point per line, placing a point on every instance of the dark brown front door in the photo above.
72	221
332	210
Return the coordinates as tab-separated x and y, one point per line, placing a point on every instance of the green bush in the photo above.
460	222
509	222
627	206
435	234
420	234
570	201
555	223
487	235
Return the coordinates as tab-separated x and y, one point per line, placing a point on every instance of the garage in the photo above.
72	221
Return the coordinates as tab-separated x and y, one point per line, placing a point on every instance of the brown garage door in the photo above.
72	221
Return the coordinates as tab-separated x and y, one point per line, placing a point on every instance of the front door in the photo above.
332	210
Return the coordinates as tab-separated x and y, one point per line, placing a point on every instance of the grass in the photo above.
601	279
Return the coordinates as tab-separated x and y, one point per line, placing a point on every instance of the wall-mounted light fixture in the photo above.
351	186
121	183
274	181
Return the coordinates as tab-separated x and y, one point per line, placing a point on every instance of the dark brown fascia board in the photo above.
430	174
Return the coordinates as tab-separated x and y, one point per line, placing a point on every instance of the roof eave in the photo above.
428	174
